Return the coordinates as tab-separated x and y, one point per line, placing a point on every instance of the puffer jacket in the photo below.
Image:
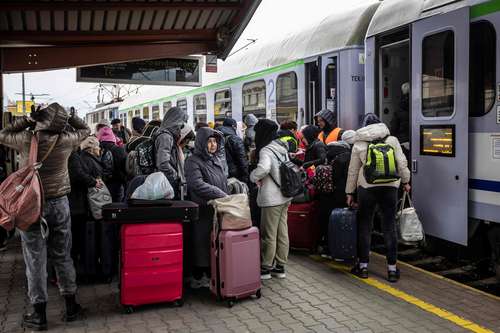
234	149
84	169
358	157
166	154
54	171
204	172
339	155
269	166
119	162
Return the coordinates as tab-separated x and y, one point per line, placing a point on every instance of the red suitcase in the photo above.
151	264
235	264
303	225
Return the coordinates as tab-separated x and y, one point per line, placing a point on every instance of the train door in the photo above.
313	90
440	62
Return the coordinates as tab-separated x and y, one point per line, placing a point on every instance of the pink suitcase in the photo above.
235	265
151	264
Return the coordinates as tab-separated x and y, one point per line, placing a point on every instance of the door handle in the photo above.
414	166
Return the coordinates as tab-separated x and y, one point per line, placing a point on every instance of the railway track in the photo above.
479	274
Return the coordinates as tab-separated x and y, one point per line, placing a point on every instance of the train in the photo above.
427	68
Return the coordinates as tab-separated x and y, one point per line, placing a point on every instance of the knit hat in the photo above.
185	131
106	134
328	116
138	124
310	133
229	122
89	143
370	119
349	136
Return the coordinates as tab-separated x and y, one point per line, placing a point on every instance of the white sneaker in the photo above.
205	281
195	284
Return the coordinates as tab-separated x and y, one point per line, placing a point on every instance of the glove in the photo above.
37	114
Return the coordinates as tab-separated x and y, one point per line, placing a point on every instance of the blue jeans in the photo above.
385	198
57	247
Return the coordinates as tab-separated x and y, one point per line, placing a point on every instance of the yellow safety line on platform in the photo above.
437	276
447	315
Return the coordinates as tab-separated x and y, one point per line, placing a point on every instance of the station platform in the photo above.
317	296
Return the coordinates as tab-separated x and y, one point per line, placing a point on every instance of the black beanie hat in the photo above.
138	124
265	132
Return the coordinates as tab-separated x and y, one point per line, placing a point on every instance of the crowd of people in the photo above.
197	163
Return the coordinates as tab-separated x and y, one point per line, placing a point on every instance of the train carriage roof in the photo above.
393	14
333	32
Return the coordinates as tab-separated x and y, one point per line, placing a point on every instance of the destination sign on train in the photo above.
437	140
167	71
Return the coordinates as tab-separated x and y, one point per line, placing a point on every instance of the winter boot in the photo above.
73	309
37	320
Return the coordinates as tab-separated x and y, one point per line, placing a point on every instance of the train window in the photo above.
438	74
331	85
145	113
137	113
166	106
182	104
254	98
286	97
482	68
222	104
200	108
156	112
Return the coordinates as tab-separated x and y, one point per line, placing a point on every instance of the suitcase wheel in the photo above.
230	303
258	294
128	310
179	303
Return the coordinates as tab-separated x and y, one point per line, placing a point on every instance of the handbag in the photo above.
232	212
98	197
410	228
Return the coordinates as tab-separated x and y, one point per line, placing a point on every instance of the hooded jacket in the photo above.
269	166
339	155
249	141
166	154
54	171
331	123
235	154
358	157
315	150
204	172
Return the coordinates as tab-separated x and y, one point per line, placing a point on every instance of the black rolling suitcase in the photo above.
342	234
98	256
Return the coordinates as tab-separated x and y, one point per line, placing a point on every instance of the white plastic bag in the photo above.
155	187
410	228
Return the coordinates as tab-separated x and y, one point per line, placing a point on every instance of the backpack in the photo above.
146	156
107	162
291	178
323	179
380	166
21	194
131	165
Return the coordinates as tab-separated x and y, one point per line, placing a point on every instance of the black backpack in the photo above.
146	156
107	162
291	178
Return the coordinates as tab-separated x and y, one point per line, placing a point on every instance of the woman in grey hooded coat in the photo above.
206	181
166	153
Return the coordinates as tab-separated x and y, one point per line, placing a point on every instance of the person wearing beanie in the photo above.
315	149
113	159
372	195
234	149
271	152
138	125
327	122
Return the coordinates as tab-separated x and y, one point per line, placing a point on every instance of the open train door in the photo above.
440	87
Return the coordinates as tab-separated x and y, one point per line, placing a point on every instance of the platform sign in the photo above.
18	110
167	71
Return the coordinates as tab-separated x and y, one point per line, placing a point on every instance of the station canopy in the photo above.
53	34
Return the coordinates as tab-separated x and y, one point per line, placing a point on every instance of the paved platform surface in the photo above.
313	298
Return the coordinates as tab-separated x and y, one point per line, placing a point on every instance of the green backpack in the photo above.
380	166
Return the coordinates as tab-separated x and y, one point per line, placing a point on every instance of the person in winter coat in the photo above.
234	148
205	181
138	125
120	131
315	149
186	136
85	171
370	195
327	121
166	152
50	124
113	159
274	206
249	139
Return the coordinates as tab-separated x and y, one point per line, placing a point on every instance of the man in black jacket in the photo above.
235	151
